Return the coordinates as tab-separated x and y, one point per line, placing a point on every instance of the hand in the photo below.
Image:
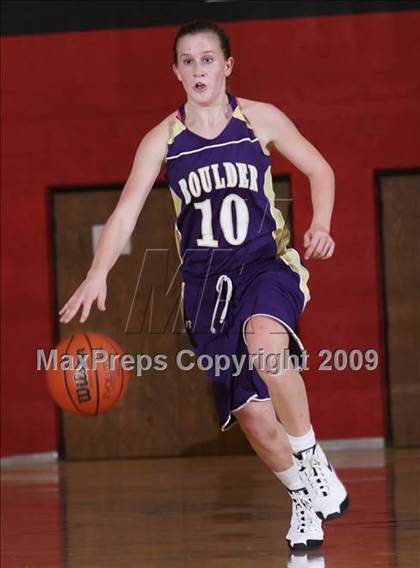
318	242
91	289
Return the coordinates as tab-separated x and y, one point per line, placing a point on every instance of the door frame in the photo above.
52	193
379	175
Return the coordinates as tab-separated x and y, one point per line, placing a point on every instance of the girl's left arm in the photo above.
283	135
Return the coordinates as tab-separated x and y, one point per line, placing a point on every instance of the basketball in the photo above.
87	377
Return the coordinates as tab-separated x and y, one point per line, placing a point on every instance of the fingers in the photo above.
313	244
321	246
86	310
67	305
330	250
101	301
71	303
85	299
70	309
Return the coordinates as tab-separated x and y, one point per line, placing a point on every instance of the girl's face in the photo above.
201	67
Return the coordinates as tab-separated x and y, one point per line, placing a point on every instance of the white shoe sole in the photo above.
329	517
309	545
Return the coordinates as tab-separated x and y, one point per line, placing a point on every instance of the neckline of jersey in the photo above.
233	103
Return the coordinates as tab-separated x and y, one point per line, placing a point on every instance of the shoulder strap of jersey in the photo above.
177	127
237	113
181	113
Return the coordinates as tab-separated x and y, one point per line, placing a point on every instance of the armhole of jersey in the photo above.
168	138
171	134
249	126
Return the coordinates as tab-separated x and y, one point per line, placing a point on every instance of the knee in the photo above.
255	425
266	333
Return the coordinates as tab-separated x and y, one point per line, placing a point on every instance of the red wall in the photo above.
75	106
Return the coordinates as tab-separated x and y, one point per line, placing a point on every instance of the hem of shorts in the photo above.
289	329
226	426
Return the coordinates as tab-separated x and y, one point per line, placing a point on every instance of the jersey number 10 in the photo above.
226	221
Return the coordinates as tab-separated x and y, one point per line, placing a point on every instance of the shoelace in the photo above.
219	288
315	478
304	514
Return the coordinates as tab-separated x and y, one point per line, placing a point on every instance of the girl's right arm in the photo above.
145	169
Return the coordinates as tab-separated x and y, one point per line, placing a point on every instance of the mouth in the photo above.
200	86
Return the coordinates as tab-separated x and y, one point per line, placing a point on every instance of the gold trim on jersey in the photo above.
237	113
177	205
281	235
177	127
292	259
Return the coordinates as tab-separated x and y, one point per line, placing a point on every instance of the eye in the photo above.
186	61
208	59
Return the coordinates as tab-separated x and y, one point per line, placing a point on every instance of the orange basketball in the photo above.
87	376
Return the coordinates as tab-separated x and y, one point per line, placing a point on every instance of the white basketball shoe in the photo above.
328	495
305	531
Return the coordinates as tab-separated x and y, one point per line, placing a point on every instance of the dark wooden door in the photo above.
400	208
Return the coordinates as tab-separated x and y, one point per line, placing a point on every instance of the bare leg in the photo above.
266	435
269	440
327	495
287	390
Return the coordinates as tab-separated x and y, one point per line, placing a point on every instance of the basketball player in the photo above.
243	288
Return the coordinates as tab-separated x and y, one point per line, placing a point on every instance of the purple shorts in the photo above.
216	311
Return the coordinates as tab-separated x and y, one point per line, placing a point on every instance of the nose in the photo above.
197	70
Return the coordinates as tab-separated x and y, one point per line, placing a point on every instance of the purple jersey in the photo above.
233	247
224	200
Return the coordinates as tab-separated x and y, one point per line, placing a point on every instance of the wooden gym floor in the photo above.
221	512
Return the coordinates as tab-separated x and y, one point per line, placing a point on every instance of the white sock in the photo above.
300	443
290	477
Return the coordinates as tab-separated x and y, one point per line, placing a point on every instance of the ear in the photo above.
229	66
175	70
